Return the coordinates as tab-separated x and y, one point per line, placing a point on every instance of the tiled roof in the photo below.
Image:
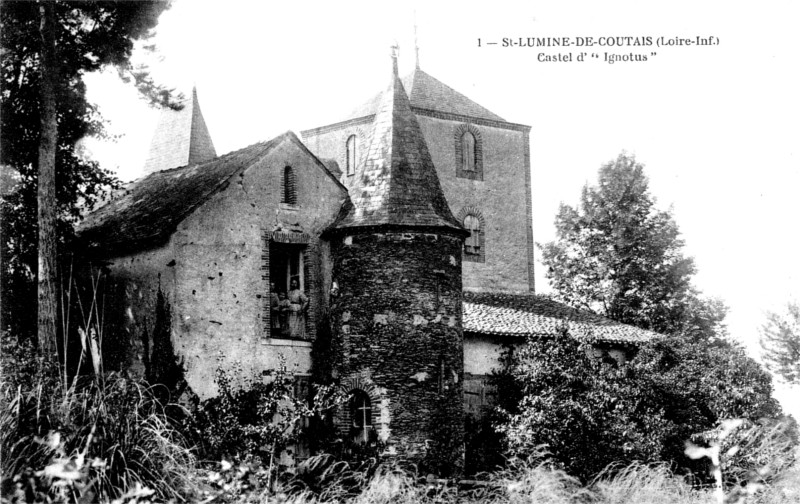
151	208
429	93
181	138
396	183
531	315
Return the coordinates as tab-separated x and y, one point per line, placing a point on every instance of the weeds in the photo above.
114	437
84	437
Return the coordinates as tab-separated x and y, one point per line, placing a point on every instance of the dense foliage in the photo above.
88	36
780	342
259	417
591	411
619	256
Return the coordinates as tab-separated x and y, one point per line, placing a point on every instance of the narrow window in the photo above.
289	193
440	284
472	245
361	413
351	155
468	152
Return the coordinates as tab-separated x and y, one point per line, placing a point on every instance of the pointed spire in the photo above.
396	183
395	54
181	138
416	44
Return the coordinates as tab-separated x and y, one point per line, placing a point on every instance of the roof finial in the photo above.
416	45
395	52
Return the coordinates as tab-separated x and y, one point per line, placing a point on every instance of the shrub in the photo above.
588	413
591	413
258	418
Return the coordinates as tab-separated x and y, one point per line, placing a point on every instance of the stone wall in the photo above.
128	290
397	323
503	196
213	270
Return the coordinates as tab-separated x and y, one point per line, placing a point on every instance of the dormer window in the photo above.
351	155
289	187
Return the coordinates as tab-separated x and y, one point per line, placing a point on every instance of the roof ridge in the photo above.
447	99
537	314
121	224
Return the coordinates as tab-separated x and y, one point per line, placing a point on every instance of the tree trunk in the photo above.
48	258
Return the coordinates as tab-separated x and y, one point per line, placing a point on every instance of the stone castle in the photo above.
396	243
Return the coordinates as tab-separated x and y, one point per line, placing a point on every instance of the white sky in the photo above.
717	127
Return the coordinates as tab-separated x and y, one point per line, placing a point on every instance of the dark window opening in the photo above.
440	280
351	155
289	192
361	414
468	152
468	160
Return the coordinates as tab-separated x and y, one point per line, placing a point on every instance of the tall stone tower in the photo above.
397	321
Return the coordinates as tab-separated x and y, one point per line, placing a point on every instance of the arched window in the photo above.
289	190
361	413
468	152
351	155
475	244
472	245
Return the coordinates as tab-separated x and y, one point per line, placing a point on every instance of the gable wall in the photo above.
214	274
222	280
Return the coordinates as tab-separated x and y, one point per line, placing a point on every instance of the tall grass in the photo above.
647	484
534	481
114	438
83	437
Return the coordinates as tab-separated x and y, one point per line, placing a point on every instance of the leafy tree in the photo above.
47	48
619	256
592	412
780	342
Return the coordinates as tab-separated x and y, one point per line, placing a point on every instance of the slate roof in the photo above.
427	92
333	166
396	183
151	208
520	315
181	138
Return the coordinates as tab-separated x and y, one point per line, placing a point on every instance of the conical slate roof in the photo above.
427	92
181	139
396	183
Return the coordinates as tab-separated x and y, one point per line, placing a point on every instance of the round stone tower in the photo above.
397	346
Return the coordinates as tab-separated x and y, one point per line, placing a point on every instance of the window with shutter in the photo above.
289	189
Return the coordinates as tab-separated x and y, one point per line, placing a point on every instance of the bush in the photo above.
591	413
588	413
258	418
